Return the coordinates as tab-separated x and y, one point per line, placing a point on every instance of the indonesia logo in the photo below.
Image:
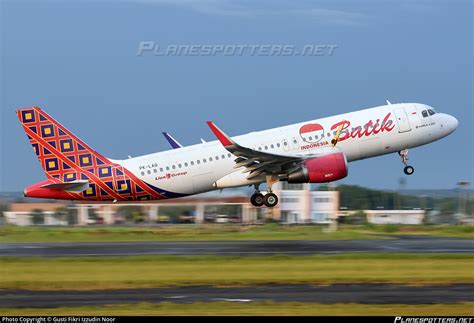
312	132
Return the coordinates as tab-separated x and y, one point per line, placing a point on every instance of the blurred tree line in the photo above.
355	197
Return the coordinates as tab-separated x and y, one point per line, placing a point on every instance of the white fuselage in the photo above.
365	133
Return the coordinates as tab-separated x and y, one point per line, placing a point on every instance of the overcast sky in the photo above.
78	61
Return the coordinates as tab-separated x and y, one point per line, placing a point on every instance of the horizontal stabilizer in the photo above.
74	186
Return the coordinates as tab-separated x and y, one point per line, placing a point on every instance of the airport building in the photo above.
298	205
24	213
395	216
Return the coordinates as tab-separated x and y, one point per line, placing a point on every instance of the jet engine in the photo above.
322	169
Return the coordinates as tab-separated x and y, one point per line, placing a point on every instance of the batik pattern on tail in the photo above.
65	158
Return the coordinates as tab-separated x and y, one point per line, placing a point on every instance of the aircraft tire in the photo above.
270	200
257	199
408	170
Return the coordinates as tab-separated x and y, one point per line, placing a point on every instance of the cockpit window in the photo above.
424	113
431	112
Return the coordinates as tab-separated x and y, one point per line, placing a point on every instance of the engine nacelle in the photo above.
320	169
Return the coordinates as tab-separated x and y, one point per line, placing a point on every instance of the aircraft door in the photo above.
402	120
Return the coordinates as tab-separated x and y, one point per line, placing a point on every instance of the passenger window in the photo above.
229	155
155	170
167	168
223	156
143	173
278	145
424	113
198	161
210	159
179	165
161	169
272	146
149	172
192	162
204	160
285	143
217	157
174	167
266	147
185	164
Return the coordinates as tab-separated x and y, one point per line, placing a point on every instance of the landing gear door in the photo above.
402	120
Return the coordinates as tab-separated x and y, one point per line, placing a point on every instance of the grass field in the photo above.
157	271
263	308
221	233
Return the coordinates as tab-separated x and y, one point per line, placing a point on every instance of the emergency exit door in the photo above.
402	120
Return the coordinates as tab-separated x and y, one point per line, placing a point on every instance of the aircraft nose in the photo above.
452	122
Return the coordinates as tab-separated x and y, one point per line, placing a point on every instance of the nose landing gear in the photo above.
408	170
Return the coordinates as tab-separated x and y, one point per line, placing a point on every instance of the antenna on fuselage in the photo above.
388	102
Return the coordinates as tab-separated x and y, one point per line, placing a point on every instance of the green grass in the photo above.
261	308
174	233
455	231
221	233
158	271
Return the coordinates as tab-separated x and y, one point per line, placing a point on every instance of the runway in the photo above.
412	244
339	293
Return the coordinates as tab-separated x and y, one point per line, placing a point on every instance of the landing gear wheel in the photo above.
270	200
257	199
408	170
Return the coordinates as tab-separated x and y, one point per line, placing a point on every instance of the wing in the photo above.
257	162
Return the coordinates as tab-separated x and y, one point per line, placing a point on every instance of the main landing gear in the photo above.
269	200
408	170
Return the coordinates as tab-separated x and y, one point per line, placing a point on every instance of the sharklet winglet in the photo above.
172	141
221	136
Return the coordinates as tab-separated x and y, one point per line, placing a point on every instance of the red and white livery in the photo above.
315	151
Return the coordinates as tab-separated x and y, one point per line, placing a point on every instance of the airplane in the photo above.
315	151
